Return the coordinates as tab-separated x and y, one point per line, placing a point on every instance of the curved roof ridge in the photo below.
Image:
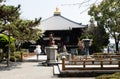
47	18
70	20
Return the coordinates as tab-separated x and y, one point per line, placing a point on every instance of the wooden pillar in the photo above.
73	56
119	63
93	62
21	56
63	63
101	57
101	63
75	61
110	59
84	63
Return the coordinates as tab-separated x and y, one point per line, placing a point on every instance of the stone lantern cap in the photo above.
87	39
63	57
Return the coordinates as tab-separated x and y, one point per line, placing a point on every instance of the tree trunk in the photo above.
117	46
8	59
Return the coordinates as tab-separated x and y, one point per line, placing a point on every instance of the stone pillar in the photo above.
51	54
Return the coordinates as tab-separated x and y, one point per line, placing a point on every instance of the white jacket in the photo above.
37	50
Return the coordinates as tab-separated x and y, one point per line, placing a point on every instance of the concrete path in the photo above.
30	70
40	57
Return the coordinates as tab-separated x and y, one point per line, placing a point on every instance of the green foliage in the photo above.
3	40
86	36
109	76
98	35
20	29
8	13
100	38
4	43
12	25
17	55
107	15
25	30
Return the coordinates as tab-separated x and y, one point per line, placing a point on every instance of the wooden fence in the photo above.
91	64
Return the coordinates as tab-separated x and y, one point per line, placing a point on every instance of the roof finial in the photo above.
57	11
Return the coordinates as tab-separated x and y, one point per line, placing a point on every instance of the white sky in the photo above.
31	9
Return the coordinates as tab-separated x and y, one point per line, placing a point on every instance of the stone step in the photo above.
56	70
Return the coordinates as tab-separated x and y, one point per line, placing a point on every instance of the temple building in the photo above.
65	31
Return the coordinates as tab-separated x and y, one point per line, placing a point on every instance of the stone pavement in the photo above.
30	70
34	58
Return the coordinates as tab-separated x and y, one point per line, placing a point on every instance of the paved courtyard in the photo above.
30	70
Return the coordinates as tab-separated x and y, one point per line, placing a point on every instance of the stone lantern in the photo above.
87	43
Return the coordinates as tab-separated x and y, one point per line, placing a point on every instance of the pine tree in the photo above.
12	25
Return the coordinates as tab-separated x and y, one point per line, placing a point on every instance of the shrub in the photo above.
18	57
109	76
12	58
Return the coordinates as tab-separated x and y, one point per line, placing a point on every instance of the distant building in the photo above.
65	31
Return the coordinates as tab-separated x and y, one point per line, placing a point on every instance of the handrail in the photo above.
84	64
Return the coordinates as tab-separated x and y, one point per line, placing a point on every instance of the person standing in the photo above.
37	51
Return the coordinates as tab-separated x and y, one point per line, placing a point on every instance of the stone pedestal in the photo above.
51	55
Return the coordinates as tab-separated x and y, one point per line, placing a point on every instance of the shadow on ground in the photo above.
13	65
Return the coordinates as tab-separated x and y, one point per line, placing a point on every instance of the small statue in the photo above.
52	41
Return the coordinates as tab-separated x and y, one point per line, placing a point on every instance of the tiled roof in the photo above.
58	22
